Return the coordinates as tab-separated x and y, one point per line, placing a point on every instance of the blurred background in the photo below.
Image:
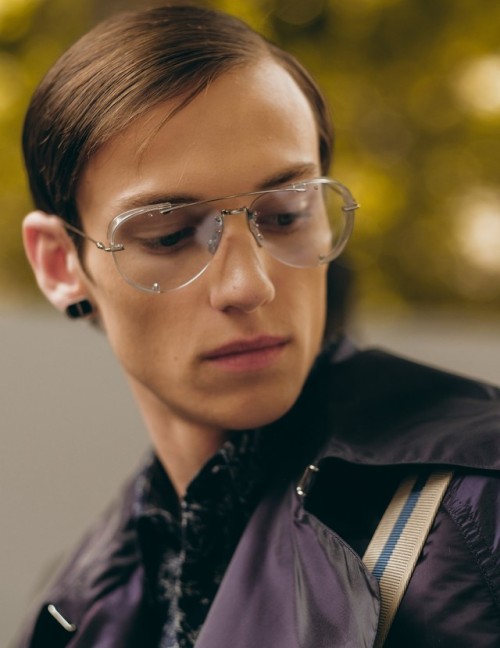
414	87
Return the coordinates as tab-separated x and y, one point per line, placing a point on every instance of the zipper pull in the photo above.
307	480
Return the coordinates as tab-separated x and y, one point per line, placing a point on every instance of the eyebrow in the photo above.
286	176
296	172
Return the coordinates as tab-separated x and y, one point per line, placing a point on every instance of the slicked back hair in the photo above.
123	68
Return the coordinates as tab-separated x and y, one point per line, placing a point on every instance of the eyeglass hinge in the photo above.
350	208
112	248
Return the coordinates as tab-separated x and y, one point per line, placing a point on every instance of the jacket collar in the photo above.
379	409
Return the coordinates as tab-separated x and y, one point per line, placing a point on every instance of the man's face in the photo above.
232	349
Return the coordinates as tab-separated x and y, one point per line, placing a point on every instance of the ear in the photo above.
54	259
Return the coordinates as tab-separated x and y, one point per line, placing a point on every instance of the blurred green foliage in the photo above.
414	87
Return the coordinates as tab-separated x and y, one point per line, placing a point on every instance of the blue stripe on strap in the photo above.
399	527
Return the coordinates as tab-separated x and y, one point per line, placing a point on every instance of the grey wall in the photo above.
66	418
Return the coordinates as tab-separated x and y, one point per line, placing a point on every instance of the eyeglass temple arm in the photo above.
99	244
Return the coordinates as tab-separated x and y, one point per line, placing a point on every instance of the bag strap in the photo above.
399	538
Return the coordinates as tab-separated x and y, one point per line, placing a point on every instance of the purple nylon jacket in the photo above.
296	579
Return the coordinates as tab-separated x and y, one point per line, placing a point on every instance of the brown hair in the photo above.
124	67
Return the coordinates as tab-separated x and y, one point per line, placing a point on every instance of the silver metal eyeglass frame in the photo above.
349	207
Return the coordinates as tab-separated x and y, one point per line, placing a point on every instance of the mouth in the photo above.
249	354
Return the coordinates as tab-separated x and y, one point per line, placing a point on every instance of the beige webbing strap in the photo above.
396	544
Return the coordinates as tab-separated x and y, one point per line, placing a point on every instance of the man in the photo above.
177	163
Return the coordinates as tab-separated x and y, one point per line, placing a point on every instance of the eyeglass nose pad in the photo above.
214	240
254	228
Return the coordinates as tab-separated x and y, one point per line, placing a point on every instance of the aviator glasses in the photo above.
159	248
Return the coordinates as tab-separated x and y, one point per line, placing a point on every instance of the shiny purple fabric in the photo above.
295	580
292	584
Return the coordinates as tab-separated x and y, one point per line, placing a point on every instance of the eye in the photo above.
286	219
168	242
281	222
163	232
282	212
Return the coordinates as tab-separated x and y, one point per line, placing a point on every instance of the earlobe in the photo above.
54	259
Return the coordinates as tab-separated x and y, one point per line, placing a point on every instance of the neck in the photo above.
183	447
184	451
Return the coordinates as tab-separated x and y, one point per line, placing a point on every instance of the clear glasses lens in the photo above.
301	228
164	249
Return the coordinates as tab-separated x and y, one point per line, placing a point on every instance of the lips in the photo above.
248	354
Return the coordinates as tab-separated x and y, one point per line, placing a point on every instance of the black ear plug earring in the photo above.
82	308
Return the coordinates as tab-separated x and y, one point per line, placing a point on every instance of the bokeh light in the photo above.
478	85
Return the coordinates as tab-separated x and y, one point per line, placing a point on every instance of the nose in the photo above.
239	270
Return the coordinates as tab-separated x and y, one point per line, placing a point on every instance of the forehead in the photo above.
249	124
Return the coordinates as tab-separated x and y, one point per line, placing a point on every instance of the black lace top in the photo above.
186	545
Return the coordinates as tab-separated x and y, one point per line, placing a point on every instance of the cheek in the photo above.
311	291
301	295
319	313
140	327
